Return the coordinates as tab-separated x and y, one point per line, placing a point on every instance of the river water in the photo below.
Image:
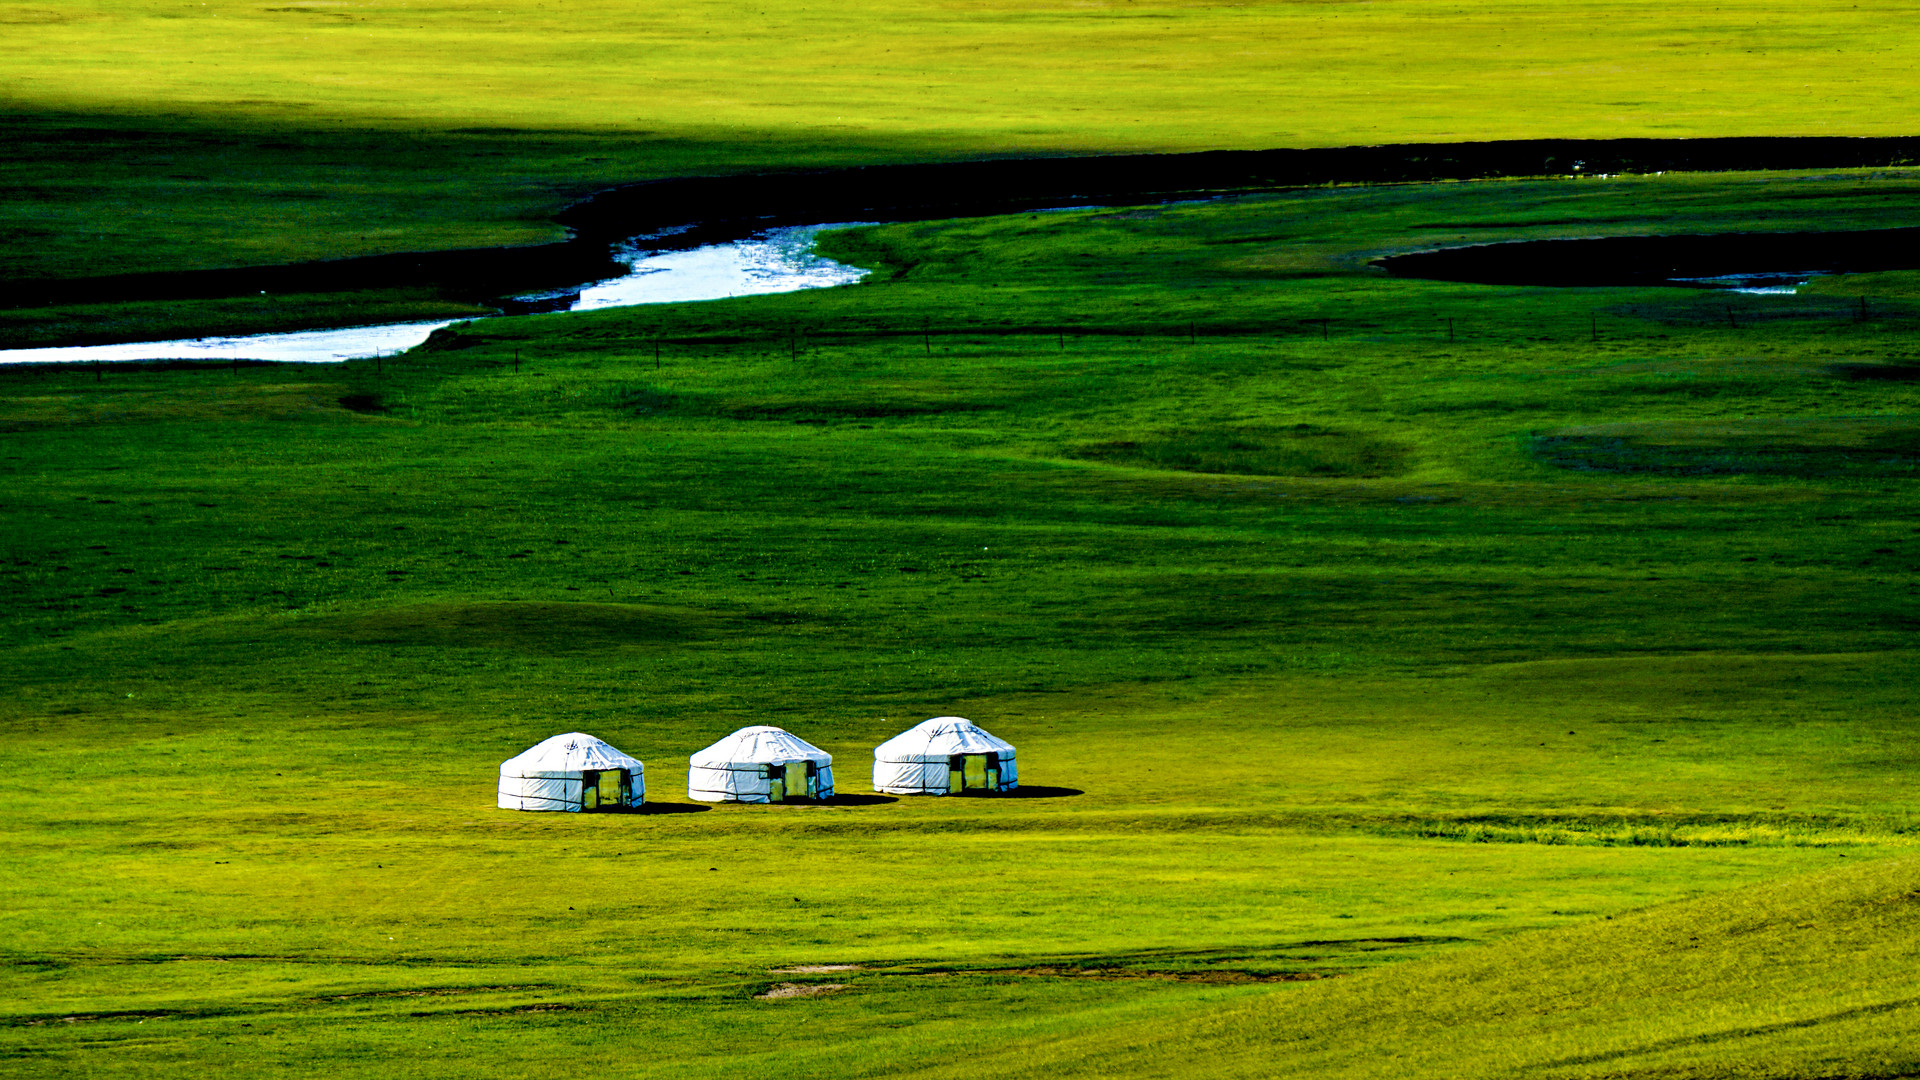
773	261
1782	283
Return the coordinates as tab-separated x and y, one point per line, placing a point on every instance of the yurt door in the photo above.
605	790
797	780
613	789
776	784
976	772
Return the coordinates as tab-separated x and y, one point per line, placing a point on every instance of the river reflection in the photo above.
776	261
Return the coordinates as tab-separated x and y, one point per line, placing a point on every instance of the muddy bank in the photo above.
1664	260
727	208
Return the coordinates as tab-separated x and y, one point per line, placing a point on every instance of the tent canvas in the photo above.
572	773
946	755
760	764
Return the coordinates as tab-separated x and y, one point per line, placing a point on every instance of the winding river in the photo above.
771	261
771	209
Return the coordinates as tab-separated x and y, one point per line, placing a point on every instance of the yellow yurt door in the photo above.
797	780
976	772
605	790
613	789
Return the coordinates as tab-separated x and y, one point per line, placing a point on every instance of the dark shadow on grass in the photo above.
652	807
1040	791
1877	372
861	800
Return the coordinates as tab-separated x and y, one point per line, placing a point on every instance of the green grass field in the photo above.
1482	681
150	136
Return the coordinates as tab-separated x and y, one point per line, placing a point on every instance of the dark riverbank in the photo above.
724	208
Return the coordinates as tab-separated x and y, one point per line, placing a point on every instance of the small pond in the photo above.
772	261
1756	263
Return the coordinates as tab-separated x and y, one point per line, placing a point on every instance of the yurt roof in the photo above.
759	745
568	755
939	739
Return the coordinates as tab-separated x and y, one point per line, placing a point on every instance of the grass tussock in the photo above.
1877	446
528	626
1659	831
1295	450
209	402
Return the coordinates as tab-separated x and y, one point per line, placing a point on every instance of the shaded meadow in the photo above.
218	133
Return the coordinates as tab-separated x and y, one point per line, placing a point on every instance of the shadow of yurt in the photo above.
572	773
760	765
947	755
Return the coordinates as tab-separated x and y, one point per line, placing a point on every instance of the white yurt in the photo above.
573	772
947	755
760	764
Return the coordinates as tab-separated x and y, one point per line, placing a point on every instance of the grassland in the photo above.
165	136
1815	961
1481	680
